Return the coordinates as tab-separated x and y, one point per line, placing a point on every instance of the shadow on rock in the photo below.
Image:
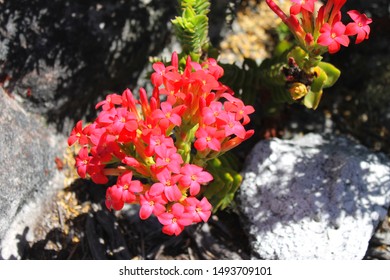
60	56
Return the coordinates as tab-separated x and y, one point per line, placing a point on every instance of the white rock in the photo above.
313	198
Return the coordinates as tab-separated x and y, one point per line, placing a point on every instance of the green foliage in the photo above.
220	192
326	76
243	80
274	80
192	27
332	73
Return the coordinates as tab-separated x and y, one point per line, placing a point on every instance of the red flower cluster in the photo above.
158	146
315	30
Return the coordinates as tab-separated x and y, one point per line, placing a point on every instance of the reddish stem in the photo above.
278	11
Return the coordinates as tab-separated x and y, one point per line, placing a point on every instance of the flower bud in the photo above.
297	90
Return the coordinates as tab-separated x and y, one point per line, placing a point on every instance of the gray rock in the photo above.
62	56
313	197
28	174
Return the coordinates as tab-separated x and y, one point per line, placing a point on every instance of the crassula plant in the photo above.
158	147
317	29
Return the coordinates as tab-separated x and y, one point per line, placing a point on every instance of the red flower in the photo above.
170	159
129	187
114	198
211	113
359	27
175	221
193	176
307	5
233	126
158	143
95	169
333	36
157	76
152	204
82	162
172	91
77	134
166	185
151	138
208	137
110	102
124	124
200	210
168	115
236	105
213	68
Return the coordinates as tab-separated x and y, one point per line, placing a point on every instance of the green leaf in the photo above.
320	80
192	27
312	99
220	192
332	73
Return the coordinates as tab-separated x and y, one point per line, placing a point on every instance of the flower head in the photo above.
167	186
192	176
200	210
175	220
78	135
333	36
300	5
152	204
359	27
315	28
158	146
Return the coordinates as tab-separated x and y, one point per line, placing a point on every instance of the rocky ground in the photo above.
76	224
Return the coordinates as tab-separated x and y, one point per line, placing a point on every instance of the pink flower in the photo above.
211	113
166	185
236	105
110	101
77	134
151	204
94	132
123	192
124	124
359	26
193	176
168	115
174	221
307	5
106	147
172	91
333	36
95	169
208	137
170	159
129	187
114	198
158	143
207	81
200	210
233	126
157	76
82	162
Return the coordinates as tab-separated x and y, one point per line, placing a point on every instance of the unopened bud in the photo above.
297	90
